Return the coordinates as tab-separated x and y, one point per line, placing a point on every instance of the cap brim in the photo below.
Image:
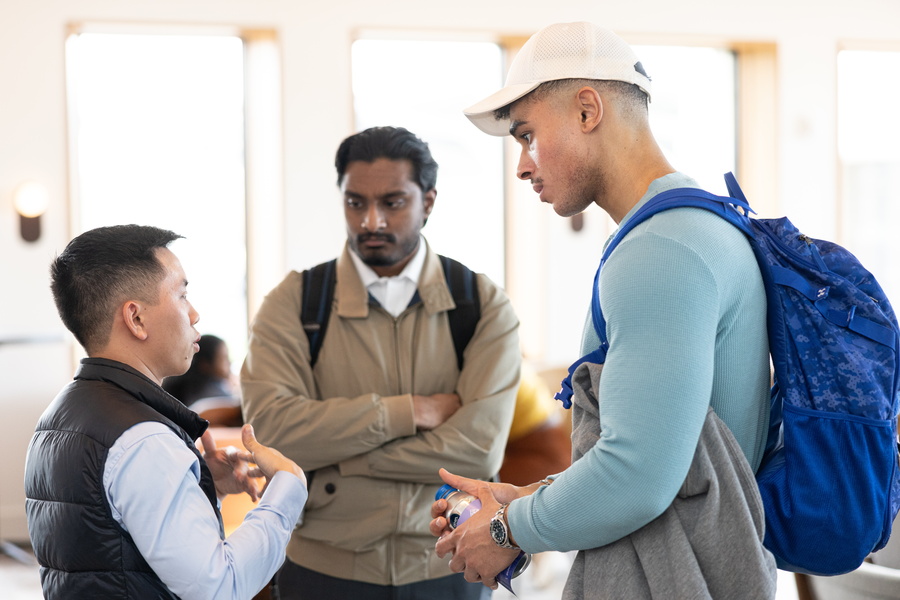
482	113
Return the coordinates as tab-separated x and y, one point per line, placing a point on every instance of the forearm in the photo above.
470	443
625	481
257	545
236	568
317	433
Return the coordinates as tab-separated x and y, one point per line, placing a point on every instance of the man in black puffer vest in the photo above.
120	502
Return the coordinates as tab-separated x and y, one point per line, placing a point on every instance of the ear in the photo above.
428	200
133	317
590	106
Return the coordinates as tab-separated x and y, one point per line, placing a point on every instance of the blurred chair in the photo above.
220	411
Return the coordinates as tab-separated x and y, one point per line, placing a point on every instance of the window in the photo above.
157	137
870	161
692	112
424	86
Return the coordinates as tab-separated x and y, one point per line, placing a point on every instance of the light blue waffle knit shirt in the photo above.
685	312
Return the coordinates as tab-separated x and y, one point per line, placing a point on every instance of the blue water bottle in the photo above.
461	506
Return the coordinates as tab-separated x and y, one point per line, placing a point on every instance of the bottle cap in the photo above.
444	491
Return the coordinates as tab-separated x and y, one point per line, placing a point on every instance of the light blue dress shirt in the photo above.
151	482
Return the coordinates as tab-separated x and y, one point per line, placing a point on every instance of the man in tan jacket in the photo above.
383	400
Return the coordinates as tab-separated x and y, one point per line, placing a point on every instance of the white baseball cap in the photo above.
561	51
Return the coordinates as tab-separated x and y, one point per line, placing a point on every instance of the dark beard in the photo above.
379	259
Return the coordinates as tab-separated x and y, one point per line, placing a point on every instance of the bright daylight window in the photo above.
868	131
156	129
424	86
693	109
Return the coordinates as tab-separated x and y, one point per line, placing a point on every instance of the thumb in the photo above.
249	438
471	486
208	443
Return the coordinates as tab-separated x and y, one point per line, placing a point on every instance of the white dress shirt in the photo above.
393	293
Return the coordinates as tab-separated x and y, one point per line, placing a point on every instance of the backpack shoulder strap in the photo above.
318	296
727	208
464	318
318	293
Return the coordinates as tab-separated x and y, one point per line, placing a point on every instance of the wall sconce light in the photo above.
30	200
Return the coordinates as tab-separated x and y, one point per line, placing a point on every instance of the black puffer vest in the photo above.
83	552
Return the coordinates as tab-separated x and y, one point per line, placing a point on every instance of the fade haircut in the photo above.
632	100
392	143
99	270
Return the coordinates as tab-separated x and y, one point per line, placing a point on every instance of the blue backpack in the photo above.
829	478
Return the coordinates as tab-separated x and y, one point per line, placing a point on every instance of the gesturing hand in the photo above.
229	469
269	460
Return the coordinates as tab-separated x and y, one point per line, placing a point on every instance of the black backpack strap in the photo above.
318	293
464	318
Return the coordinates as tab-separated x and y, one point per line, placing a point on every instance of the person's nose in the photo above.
525	168
373	220
193	315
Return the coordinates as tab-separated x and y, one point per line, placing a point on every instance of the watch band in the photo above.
500	529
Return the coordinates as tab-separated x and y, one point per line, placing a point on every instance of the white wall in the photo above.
315	40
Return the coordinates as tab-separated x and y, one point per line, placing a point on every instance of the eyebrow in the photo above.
390	194
513	125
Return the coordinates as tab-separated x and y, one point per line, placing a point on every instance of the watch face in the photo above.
498	532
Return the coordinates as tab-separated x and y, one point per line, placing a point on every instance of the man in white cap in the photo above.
685	313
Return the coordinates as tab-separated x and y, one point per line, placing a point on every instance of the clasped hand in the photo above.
471	547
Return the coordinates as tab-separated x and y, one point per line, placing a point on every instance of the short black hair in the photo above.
633	99
100	269
393	143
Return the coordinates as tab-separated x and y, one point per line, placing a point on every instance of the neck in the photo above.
631	166
124	356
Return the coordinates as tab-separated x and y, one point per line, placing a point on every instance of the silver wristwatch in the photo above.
500	528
